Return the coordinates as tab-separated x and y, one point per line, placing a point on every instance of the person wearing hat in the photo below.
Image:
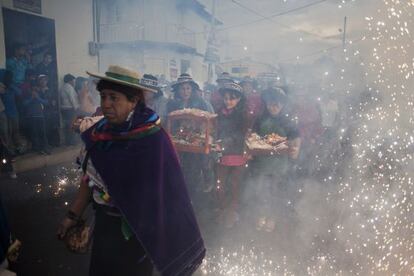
271	172
255	106
155	101
216	98
231	134
143	214
186	96
35	102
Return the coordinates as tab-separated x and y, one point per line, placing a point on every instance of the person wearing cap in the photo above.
155	101
272	171
255	106
69	106
36	102
231	134
216	99
143	215
186	96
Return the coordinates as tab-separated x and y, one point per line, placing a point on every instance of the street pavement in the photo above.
35	204
37	200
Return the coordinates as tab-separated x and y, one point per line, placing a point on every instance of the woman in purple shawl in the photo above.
143	215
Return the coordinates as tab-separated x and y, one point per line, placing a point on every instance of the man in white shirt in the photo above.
69	106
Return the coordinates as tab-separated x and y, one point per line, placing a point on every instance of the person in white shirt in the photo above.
69	106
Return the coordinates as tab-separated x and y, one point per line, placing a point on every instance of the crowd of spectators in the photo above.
29	105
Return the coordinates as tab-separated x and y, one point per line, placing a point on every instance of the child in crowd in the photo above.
231	132
272	171
35	104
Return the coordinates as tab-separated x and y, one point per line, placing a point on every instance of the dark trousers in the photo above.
38	133
112	254
229	178
52	128
68	115
192	166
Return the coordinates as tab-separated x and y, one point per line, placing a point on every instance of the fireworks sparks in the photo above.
66	178
243	262
371	184
367	197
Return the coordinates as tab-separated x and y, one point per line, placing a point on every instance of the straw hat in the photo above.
123	76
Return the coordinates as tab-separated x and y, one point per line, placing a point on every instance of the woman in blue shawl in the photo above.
143	215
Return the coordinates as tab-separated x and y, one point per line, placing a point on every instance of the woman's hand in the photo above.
64	226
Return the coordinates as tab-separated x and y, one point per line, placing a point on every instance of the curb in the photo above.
7	273
34	161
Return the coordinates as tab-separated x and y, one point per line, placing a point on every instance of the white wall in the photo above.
74	29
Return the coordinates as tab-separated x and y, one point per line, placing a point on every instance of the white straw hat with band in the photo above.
123	76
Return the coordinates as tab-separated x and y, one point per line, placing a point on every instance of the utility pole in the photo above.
344	34
210	42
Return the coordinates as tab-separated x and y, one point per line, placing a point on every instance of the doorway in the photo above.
38	35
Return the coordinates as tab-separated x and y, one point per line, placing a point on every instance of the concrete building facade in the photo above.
162	37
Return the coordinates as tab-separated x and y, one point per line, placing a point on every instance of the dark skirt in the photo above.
112	254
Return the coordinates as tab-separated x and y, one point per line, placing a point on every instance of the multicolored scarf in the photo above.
104	132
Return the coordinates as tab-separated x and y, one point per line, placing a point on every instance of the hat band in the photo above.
149	82
122	77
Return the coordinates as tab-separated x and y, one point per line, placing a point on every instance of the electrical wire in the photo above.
270	19
273	16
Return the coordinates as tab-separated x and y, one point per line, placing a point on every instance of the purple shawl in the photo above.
145	182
